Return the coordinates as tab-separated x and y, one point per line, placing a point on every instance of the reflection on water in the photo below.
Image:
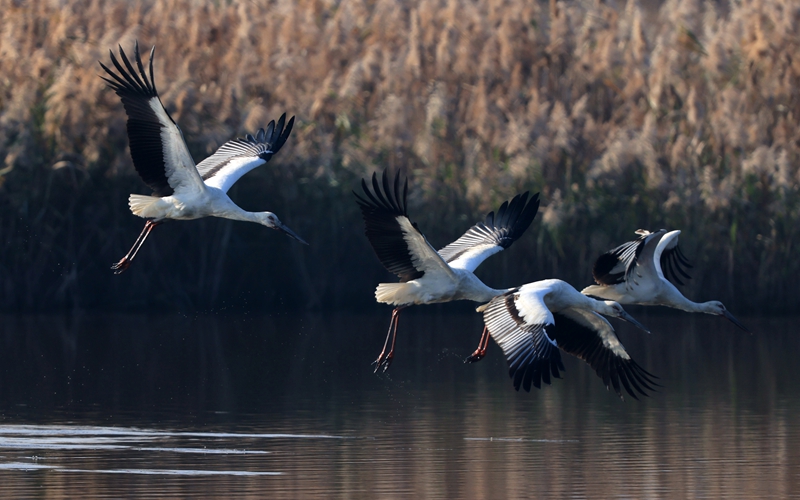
288	407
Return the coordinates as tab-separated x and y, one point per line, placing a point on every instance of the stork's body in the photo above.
181	189
532	323
427	276
641	272
209	202
447	285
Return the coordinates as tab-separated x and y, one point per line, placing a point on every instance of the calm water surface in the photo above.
283	406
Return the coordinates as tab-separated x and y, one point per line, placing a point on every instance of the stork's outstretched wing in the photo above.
672	262
614	266
239	156
493	235
530	336
590	337
618	265
517	322
398	243
157	147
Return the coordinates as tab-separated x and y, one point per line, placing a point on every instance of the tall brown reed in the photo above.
622	118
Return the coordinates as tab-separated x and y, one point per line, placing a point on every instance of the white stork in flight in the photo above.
427	276
641	271
531	323
181	189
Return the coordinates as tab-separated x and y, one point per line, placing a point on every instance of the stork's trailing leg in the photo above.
480	352
384	358
125	262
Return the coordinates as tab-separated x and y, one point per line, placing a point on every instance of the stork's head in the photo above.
271	220
716	307
615	310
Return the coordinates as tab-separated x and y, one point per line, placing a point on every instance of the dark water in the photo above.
288	407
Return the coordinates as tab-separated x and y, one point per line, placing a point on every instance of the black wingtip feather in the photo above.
405	198
672	265
490	217
387	190
380	208
286	132
270	130
397	189
376	189
136	90
623	378
683	258
602	268
615	371
501	228
129	66
281	123
139	64
152	58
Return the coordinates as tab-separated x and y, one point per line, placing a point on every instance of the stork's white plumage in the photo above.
427	276
531	323
641	271
181	189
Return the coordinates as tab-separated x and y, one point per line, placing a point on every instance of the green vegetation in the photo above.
621	118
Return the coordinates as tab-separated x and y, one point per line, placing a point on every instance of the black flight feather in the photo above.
144	127
380	209
585	344
264	145
511	221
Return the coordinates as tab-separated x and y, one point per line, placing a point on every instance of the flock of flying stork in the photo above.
531	323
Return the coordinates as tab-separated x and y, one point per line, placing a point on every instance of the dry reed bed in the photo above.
689	120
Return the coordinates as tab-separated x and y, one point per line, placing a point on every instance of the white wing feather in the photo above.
600	326
667	242
233	171
423	256
181	172
472	258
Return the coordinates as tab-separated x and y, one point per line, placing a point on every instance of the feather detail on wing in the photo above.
239	156
672	260
532	356
493	235
591	337
158	150
398	243
615	266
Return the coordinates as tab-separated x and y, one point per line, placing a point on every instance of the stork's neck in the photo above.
577	298
678	301
218	204
559	295
243	215
225	207
494	292
476	290
703	307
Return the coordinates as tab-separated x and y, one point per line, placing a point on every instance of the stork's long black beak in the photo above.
627	317
283	227
735	321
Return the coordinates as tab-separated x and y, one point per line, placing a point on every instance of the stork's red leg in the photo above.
125	262
480	352
384	358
